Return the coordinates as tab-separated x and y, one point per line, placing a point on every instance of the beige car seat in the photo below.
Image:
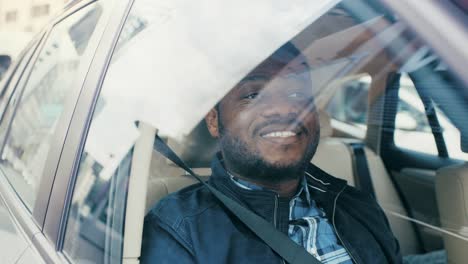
452	200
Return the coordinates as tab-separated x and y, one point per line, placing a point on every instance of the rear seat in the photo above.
328	152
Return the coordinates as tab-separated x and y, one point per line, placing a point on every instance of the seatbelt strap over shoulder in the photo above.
277	241
362	176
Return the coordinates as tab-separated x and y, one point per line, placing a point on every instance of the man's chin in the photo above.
282	160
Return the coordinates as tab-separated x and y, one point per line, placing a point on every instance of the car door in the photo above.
37	114
76	221
13	237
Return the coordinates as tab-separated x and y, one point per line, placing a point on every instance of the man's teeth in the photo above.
281	134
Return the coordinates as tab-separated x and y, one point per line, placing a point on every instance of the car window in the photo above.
412	129
42	100
348	107
96	217
186	64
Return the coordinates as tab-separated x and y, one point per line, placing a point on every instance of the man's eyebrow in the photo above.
251	78
254	77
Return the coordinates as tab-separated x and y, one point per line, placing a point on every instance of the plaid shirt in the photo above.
308	226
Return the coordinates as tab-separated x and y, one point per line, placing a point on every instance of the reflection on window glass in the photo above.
95	226
42	102
9	95
348	107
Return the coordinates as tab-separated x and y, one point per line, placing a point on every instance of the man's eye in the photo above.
251	96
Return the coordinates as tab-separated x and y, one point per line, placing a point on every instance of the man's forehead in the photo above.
281	64
271	69
286	62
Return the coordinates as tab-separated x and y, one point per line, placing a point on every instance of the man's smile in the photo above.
280	134
284	137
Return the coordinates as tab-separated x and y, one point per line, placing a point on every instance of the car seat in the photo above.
452	200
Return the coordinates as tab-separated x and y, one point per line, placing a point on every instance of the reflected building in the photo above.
27	15
20	20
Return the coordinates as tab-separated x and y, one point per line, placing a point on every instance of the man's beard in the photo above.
251	165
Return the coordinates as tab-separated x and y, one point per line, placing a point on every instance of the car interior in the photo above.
423	195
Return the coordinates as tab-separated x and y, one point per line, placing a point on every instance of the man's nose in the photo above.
279	106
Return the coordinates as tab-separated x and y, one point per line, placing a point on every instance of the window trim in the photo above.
18	211
40	206
70	151
17	86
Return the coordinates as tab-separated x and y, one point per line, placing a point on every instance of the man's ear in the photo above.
211	120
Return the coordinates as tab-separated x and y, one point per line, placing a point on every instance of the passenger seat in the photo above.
452	199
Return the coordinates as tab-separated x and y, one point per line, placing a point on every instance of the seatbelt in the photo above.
277	241
362	176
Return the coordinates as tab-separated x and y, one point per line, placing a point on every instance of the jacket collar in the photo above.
302	191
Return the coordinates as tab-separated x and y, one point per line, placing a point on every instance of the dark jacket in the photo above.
191	226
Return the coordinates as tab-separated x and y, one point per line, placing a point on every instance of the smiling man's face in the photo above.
267	125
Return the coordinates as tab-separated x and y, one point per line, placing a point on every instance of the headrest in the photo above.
198	148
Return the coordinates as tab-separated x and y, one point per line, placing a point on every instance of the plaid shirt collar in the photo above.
302	192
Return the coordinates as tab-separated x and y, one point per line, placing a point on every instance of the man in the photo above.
268	131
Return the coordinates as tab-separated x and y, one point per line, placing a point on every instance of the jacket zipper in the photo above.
276	209
334	226
274	219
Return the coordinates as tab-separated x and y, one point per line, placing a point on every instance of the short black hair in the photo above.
287	53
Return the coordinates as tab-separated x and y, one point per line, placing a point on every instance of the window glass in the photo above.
412	129
348	107
187	66
95	223
42	101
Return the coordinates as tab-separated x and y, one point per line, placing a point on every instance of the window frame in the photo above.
394	156
39	208
20	215
14	85
33	225
65	172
